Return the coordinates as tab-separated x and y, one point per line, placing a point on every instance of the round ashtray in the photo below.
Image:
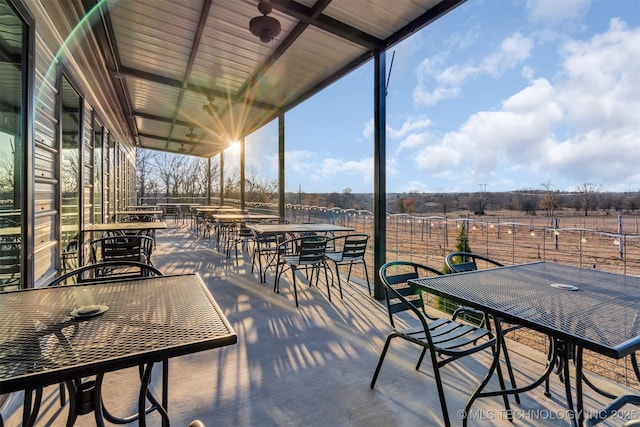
564	287
89	311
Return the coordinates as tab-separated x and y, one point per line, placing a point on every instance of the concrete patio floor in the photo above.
311	366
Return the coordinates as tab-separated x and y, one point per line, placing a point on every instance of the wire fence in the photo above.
609	243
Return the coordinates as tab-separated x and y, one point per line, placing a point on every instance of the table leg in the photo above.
579	399
504	392
145	394
154	404
165	387
566	350
97	401
495	365
83	396
31	407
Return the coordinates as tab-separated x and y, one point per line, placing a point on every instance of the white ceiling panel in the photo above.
168	58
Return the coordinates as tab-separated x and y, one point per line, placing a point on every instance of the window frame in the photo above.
27	200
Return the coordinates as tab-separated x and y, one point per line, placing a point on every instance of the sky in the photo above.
497	95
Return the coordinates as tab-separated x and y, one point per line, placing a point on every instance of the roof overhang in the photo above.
169	60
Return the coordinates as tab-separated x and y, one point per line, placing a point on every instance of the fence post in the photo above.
580	247
620	242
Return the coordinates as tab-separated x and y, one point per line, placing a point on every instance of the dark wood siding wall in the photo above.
46	250
54	22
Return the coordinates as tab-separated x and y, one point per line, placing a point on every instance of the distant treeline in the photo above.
586	201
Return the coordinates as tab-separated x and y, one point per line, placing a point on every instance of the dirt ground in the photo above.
605	242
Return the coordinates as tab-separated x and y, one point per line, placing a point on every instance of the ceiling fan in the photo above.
264	26
210	108
191	134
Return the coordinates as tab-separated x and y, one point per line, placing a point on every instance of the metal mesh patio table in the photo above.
142	322
578	308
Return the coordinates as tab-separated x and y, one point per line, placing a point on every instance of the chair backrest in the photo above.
312	249
308	249
268	240
459	262
353	246
134	247
243	230
70	255
401	295
171	211
10	263
106	271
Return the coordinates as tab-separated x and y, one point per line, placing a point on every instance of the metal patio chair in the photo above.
129	247
307	252
239	235
10	268
348	250
265	252
106	271
446	340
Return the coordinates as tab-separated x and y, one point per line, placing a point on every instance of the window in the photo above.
15	91
70	125
112	176
98	143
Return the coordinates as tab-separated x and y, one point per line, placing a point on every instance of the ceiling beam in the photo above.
202	22
439	10
309	16
426	18
108	46
214	145
177	84
163	119
293	35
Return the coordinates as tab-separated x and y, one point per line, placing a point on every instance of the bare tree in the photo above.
144	158
445	200
549	200
232	184
7	175
71	167
171	171
587	198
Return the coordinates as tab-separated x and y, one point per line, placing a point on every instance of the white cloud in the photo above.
332	166
413	185
368	130
411	124
393	167
424	97
601	157
554	12
583	126
314	168
512	51
601	86
439	160
413	141
528	72
302	162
